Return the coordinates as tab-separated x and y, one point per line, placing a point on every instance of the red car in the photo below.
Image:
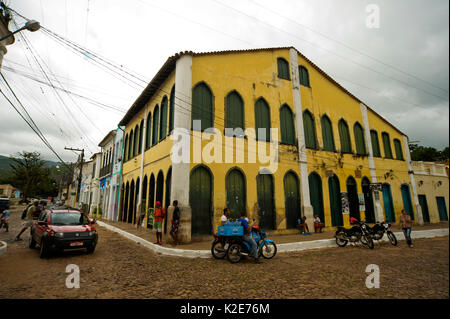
62	229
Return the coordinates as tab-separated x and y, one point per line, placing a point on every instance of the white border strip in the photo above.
282	248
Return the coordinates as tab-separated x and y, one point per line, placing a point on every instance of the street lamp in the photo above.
31	25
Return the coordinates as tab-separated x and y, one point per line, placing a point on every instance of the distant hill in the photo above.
5	161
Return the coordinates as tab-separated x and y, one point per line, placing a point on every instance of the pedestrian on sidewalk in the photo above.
175	222
4	218
303	226
318	225
405	224
159	217
31	212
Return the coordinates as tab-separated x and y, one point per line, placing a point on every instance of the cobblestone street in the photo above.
121	269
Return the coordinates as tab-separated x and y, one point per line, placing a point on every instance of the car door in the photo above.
40	229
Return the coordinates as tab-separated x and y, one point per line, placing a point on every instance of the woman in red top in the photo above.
157	226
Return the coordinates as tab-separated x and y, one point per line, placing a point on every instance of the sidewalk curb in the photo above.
282	248
3	248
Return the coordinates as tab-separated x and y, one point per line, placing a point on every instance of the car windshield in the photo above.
65	219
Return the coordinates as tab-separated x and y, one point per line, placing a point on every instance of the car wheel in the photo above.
91	249
44	249
31	242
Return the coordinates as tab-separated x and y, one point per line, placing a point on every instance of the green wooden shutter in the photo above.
266	205
375	144
388	203
398	150
141	133
200	200
292	199
442	208
316	195
234	111
423	203
304	76
344	136
335	201
171	109
407	203
359	139
262	119
236	193
125	148
148	133
163	119
387	145
327	134
202	106
310	130
283	69
130	145
287	125
155	125
136	140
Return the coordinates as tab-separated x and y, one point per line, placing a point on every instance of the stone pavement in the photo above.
200	247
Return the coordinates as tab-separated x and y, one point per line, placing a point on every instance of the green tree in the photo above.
427	154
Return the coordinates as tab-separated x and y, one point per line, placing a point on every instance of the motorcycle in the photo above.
219	246
238	247
378	230
357	233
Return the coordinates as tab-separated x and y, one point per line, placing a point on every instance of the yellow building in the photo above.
328	153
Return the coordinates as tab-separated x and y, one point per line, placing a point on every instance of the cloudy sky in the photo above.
400	69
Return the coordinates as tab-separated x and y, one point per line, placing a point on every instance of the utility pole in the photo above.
81	170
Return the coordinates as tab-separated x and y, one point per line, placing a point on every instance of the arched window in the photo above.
130	146
359	139
148	133
141	133
125	149
375	143
155	125
283	69
344	136
304	76
262	119
171	109
310	130
287	125
398	149
136	140
202	106
327	134
163	119
386	145
234	111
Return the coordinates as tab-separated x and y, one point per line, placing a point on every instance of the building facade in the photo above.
300	144
94	202
114	194
432	185
107	145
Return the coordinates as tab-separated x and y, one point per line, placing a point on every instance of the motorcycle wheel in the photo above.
234	253
268	250
392	238
341	242
217	250
367	241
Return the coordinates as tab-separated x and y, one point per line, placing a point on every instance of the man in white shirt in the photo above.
225	216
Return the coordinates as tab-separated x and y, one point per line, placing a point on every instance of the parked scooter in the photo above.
355	234
238	247
378	230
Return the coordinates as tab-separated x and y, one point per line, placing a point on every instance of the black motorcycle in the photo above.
219	246
355	234
378	230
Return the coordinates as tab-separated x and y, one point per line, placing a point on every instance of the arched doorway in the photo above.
236	192
388	203
353	201
200	200
335	201
131	204
266	205
407	203
368	200
160	188
423	203
136	198
291	199
316	195
144	193
167	202
125	206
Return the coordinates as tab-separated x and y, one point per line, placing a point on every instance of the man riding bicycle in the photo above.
248	239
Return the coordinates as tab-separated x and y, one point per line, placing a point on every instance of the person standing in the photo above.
159	217
175	222
31	212
405	223
4	218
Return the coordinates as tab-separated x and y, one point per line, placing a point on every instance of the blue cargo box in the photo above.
230	231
